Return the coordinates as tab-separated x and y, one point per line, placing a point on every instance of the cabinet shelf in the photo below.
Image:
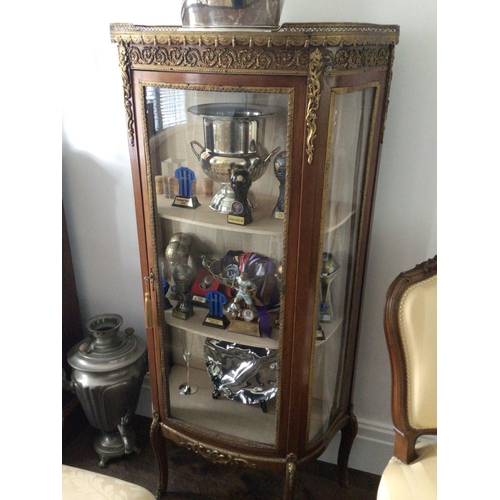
203	410
329	329
194	325
262	223
342	213
248	421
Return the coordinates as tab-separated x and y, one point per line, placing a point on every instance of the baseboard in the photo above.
371	451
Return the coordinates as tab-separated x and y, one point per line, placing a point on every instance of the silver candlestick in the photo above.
186	389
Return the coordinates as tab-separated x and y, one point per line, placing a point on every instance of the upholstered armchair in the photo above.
410	323
80	484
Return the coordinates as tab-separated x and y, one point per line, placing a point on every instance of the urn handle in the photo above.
192	144
273	152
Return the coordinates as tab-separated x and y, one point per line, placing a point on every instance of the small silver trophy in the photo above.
183	278
177	252
280	173
329	269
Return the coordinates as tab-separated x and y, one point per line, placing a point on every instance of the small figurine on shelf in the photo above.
241	211
244	315
186	198
280	173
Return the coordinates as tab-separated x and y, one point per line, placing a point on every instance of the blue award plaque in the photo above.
185	198
216	317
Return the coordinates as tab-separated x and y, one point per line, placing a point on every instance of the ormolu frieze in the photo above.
224	58
217	457
288	35
346	59
254	58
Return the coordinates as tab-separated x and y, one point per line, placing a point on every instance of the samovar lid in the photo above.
107	349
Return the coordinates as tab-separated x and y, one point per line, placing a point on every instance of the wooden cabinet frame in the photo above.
313	64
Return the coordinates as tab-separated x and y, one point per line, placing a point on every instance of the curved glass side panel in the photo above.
350	129
217	173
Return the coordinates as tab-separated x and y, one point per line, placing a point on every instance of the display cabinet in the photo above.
254	157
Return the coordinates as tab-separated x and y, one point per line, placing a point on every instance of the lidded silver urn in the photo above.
108	369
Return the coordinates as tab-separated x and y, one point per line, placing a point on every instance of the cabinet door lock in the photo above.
151	279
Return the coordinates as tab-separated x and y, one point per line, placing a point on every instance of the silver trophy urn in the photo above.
107	373
234	134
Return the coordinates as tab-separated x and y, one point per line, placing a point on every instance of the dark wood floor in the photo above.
193	478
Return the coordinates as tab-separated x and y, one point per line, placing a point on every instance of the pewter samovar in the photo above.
108	370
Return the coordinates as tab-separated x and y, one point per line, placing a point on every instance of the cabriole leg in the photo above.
349	432
158	444
291	468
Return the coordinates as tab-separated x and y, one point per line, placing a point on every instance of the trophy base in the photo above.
182	314
240	220
216	321
251	328
278	215
320	334
325	318
186	389
223	200
186	202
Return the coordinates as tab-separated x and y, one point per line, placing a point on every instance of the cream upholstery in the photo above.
79	484
418	324
410	323
415	481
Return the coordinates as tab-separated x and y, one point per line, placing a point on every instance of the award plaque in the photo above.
216	317
241	212
280	173
185	198
183	278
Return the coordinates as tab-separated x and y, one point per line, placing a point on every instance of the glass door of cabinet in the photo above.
351	124
217	170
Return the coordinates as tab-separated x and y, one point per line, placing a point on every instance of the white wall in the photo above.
97	184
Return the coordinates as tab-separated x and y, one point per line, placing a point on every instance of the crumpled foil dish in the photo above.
231	13
242	373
